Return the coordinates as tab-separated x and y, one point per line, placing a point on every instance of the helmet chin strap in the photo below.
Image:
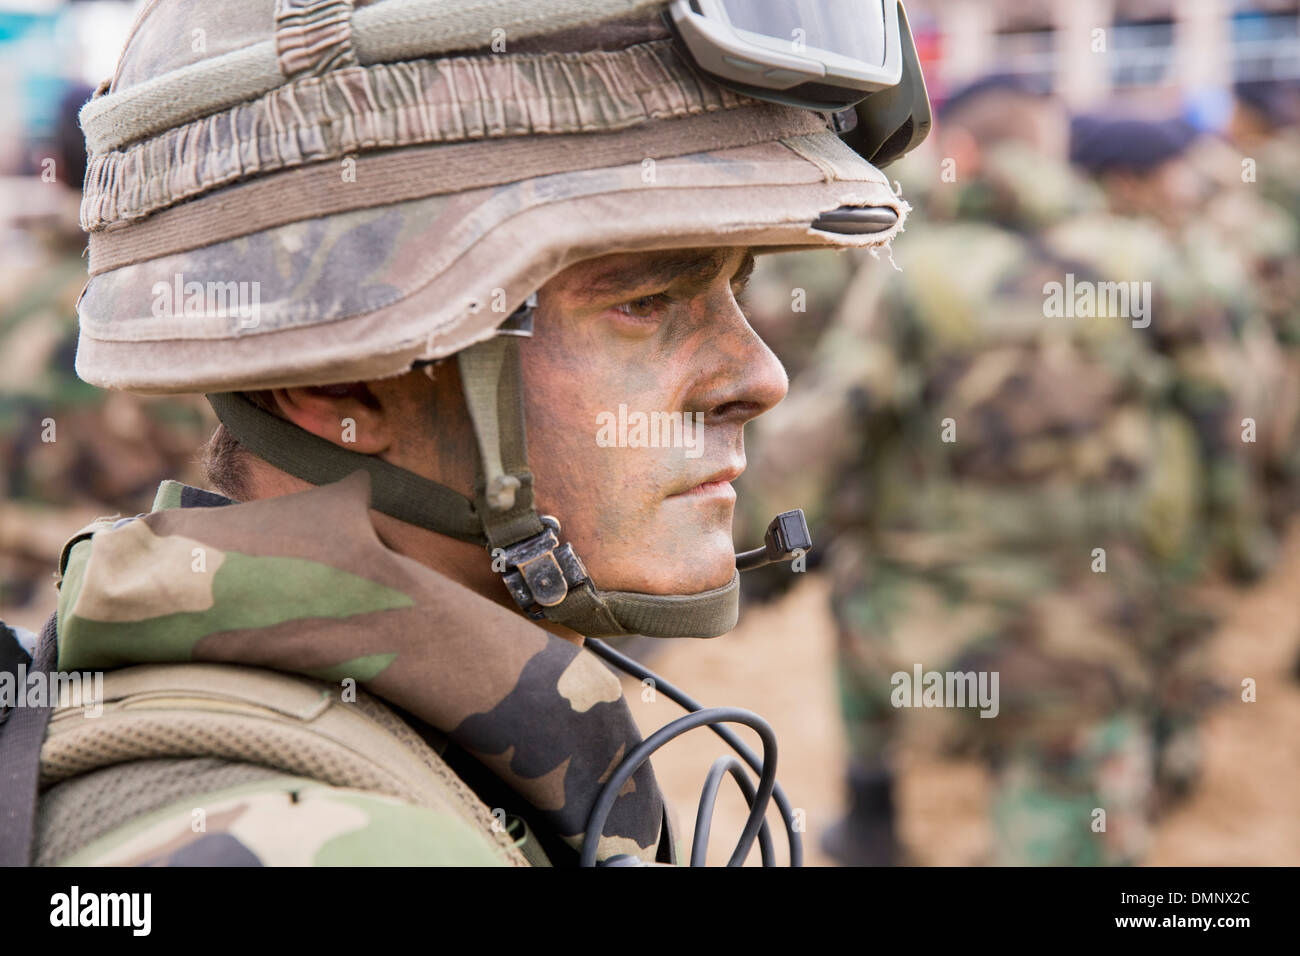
546	578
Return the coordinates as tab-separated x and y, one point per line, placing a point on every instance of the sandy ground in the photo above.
778	663
1247	810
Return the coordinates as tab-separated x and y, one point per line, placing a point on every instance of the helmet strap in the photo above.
394	491
546	578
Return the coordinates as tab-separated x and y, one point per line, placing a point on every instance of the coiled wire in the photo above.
714	718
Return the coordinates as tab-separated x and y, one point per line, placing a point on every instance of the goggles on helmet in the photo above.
853	58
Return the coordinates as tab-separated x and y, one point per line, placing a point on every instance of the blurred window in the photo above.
1029	53
1265	46
1142	54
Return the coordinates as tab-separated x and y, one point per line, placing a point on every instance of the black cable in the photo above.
629	666
704	815
636	669
633	761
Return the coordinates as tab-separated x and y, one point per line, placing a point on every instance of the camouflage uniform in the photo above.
978	553
1262	219
65	445
263	584
1216	263
63	441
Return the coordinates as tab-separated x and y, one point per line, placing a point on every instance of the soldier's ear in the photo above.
349	415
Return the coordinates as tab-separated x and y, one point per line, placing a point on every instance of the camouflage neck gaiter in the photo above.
303	584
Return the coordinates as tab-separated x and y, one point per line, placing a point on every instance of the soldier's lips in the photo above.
716	487
710	489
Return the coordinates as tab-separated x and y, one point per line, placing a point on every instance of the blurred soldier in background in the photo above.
1212	249
1265	130
1198	244
63	443
1011	492
1265	127
1258	178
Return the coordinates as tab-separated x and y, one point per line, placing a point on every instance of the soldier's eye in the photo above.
643	307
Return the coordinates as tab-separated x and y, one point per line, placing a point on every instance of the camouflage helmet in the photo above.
300	192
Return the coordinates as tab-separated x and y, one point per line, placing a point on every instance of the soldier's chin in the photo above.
715	565
710	562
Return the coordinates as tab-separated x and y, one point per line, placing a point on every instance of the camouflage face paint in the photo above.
646	335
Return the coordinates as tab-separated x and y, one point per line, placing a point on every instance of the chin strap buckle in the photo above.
540	570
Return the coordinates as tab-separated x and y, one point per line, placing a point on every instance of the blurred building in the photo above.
1094	51
46	46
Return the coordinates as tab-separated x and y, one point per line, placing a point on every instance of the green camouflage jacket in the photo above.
303	585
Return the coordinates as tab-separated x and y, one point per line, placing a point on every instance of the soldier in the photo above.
65	444
380	257
1263	142
1204	245
1260	202
1010	499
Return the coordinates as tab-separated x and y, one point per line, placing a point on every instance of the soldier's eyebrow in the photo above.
688	269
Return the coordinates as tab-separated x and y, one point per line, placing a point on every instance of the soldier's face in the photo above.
640	375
